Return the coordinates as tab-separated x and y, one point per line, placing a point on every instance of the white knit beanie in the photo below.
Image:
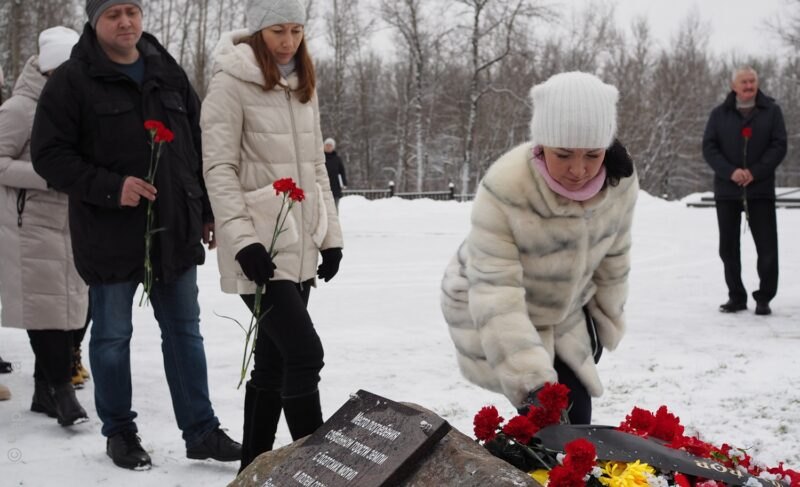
574	110
263	13
55	46
330	141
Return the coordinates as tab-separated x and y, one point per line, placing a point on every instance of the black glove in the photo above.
256	263
532	401
330	263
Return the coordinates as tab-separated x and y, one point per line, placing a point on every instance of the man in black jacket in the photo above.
744	141
335	167
89	141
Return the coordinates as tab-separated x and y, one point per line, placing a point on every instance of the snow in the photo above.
733	378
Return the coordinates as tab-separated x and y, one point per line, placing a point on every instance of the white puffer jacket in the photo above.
40	289
513	295
251	138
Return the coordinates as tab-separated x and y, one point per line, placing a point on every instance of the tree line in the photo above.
428	92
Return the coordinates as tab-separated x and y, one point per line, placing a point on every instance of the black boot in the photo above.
68	409
43	399
262	411
303	414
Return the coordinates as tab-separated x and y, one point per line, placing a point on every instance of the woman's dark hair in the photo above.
618	163
269	67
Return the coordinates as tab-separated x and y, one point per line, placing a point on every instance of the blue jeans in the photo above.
178	314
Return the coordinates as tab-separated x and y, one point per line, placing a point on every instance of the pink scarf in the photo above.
590	189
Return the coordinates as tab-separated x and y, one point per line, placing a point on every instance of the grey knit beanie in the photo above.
94	8
574	110
263	13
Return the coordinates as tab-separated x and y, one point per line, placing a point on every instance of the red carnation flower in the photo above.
297	194
681	480
639	422
747	132
667	426
284	185
581	455
164	134
154	125
561	476
486	422
554	396
521	429
692	445
542	417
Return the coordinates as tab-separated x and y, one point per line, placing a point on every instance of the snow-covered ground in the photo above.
733	378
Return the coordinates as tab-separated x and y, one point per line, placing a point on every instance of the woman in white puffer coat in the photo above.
260	122
538	287
40	288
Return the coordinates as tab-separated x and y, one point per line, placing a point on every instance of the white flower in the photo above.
752	482
656	480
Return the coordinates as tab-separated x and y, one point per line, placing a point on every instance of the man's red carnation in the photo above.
747	132
486	422
164	134
521	429
154	125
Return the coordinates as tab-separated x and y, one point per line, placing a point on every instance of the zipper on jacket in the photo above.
21	194
299	182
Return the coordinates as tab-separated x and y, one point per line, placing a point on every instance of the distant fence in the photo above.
389	192
784	198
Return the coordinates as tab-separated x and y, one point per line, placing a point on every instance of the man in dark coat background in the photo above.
89	141
335	167
747	122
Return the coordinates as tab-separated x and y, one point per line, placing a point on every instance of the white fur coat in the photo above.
513	295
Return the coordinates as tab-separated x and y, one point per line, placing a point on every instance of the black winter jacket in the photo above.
88	135
335	167
723	147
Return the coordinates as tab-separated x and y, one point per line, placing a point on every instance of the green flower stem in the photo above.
147	282
251	334
744	188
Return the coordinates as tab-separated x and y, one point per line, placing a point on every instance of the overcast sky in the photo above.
736	25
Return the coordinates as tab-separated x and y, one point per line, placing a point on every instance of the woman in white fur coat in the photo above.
538	287
260	123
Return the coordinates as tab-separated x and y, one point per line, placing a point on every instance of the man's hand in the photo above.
209	235
748	177
134	189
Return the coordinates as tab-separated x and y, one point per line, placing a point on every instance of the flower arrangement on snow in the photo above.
646	449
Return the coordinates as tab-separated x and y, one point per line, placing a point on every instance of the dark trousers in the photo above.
764	228
52	350
288	354
580	408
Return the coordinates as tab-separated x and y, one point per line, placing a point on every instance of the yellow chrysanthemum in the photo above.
620	474
541	476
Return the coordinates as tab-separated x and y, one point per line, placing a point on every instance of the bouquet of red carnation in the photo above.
647	449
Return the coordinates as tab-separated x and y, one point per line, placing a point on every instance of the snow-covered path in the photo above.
732	377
